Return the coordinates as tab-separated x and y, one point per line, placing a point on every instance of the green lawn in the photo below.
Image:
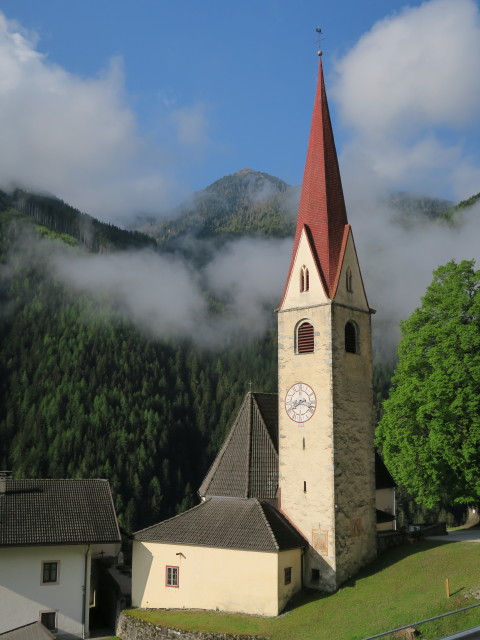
403	586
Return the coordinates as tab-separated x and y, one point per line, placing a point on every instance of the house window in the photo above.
348	278
351	338
288	575
315	576
172	577
304	279
305	338
49	572
49	620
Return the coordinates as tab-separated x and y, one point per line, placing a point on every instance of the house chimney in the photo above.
3	481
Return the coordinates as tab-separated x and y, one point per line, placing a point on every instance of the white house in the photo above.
51	532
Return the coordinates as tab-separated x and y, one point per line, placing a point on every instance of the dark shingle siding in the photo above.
227	523
247	464
268	406
37	512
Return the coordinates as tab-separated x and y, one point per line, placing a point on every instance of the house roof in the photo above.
247	464
248	524
322	213
46	512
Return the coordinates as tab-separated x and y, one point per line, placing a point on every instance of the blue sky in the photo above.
120	107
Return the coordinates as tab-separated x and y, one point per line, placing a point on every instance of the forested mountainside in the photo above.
85	393
256	204
245	203
61	218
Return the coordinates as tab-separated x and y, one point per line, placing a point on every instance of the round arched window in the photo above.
351	337
305	338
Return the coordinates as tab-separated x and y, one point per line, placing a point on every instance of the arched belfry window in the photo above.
304	279
351	337
305	338
348	278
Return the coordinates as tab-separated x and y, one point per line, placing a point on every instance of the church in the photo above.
289	501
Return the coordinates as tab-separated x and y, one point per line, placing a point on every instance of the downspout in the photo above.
84	598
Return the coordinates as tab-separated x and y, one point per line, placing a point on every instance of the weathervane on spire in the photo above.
319	40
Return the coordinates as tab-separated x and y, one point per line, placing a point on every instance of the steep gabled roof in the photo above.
227	523
45	512
247	464
322	211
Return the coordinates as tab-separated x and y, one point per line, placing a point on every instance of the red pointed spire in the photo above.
322	205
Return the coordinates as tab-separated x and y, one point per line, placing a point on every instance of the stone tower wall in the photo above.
353	445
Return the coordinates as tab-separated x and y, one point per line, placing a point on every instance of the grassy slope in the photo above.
404	585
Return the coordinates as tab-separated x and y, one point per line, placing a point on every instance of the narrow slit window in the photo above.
348	277
305	486
304	279
305	338
351	338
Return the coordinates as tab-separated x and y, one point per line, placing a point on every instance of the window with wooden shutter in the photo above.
305	338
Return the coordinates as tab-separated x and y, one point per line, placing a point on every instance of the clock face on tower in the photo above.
300	402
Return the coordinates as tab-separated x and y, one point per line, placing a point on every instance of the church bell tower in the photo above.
326	453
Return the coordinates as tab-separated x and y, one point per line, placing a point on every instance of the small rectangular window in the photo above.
315	575
49	572
288	575
172	577
49	620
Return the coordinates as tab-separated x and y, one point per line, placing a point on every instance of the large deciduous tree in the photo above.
430	431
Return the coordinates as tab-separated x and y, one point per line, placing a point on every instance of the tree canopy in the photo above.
430	431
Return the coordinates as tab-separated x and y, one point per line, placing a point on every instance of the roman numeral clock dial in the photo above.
300	402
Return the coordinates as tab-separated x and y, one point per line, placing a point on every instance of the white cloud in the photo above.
77	137
165	296
406	87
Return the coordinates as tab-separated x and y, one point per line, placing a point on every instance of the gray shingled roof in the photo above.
42	512
247	464
227	523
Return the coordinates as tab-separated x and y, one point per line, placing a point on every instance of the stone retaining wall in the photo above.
129	628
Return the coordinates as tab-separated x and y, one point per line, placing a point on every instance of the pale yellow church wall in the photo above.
315	294
356	297
212	578
293	559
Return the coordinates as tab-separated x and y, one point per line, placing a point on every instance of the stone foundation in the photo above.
129	628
